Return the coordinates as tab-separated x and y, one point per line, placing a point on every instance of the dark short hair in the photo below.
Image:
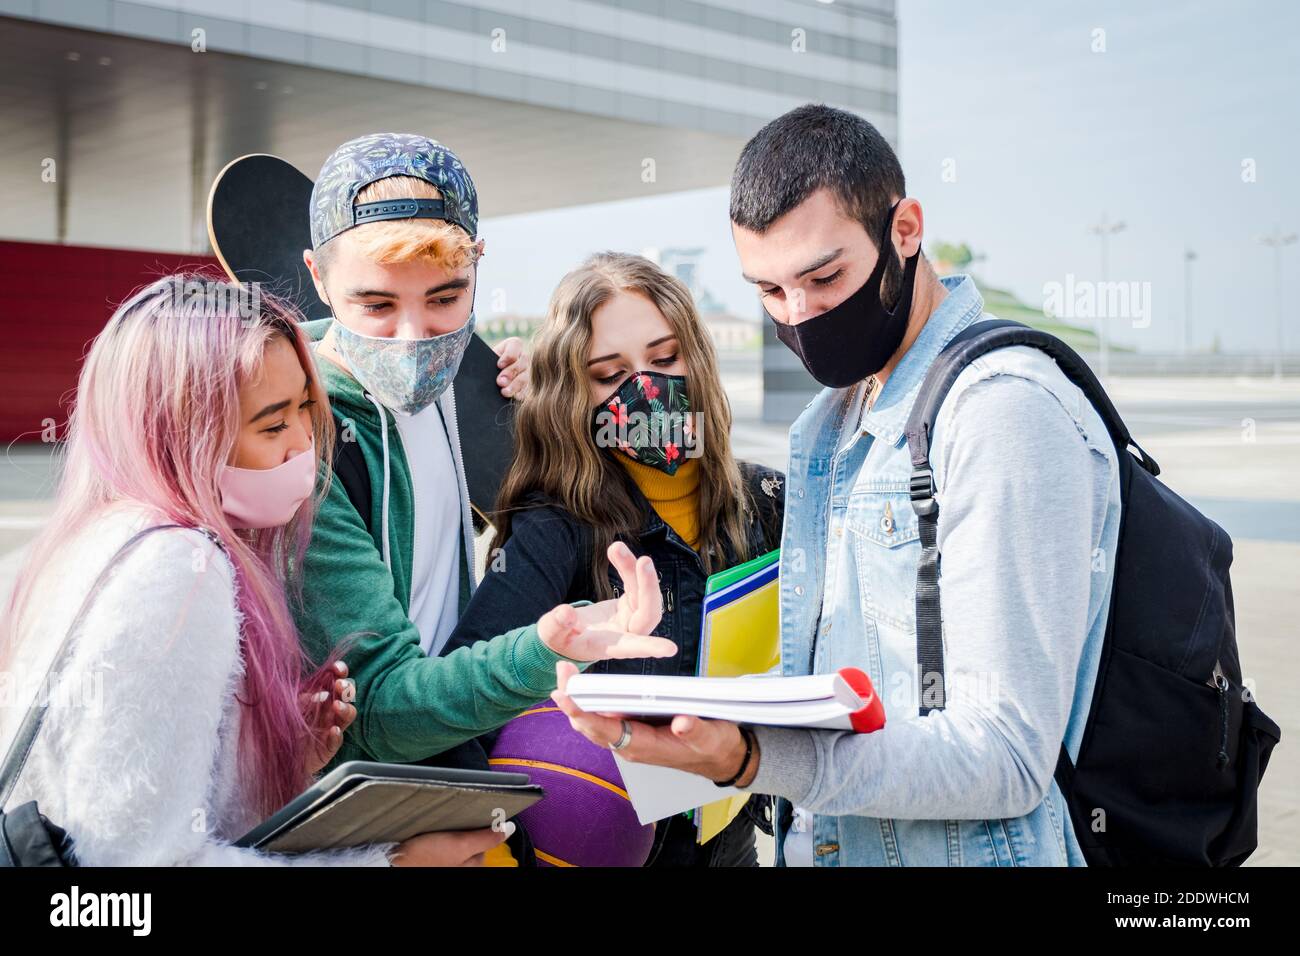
814	147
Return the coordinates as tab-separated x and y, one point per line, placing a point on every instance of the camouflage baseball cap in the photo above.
360	162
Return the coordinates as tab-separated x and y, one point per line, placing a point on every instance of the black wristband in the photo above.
744	764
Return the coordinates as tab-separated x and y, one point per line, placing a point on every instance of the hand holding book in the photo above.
690	728
709	748
662	766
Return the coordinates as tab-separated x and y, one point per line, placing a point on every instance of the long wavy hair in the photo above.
555	452
155	418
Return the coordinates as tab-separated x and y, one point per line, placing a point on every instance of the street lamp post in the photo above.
1188	258
1277	240
1104	230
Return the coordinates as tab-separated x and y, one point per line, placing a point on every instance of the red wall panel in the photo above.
56	299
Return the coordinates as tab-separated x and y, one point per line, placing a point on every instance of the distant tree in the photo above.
953	257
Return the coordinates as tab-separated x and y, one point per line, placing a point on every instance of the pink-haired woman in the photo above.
187	712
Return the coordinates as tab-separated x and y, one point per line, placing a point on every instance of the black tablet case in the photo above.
360	802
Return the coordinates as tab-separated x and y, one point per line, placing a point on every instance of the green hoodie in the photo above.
409	706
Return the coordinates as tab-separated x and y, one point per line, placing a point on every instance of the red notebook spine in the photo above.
872	715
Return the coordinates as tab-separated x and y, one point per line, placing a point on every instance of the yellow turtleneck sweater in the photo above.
676	499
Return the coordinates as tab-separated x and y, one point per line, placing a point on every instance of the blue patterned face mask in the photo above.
406	375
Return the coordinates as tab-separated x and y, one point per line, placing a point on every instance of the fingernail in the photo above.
322	697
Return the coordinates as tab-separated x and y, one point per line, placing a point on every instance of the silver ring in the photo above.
624	740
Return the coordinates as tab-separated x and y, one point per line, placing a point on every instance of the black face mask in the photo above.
855	339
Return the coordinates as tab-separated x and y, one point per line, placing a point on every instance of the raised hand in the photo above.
616	628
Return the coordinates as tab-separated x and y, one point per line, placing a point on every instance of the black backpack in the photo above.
351	471
1174	748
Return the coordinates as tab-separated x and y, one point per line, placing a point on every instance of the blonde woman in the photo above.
625	437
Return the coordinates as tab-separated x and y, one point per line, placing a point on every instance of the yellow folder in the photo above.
741	637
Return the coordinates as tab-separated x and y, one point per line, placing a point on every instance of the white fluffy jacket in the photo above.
136	758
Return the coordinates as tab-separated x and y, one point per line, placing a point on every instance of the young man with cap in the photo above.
393	582
1027	478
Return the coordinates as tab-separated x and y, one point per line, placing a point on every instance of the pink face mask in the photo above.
267	497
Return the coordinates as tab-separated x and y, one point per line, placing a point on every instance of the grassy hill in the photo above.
1004	305
949	258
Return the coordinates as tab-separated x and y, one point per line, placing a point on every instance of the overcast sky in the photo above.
1016	135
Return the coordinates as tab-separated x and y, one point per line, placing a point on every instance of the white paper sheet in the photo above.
658	792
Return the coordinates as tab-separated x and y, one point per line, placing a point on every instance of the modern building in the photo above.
115	116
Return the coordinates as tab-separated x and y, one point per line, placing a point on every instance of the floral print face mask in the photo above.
406	375
648	419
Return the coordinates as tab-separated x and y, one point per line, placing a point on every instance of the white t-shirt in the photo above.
435	560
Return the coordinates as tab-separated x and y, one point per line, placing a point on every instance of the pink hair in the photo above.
156	417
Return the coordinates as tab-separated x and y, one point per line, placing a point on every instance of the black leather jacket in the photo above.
547	562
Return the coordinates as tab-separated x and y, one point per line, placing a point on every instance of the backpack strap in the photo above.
976	340
351	471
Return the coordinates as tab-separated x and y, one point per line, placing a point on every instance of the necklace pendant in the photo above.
870	400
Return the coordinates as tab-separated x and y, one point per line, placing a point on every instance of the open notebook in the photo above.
841	701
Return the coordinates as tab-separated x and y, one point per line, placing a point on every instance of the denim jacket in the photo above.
1028	490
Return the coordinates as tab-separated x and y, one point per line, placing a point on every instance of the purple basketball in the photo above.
586	818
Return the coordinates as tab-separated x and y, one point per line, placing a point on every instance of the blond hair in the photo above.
434	241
